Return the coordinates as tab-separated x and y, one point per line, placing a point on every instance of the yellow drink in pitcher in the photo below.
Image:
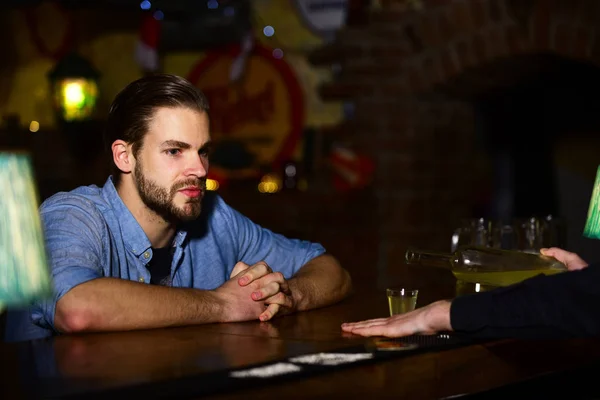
501	278
485	267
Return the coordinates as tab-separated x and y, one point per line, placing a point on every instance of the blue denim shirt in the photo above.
90	234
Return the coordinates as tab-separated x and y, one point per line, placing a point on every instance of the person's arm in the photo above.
539	307
427	320
562	305
306	276
320	282
112	304
84	299
106	304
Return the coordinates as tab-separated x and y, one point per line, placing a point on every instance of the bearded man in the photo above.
151	248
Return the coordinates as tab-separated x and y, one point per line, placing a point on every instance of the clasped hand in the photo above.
255	291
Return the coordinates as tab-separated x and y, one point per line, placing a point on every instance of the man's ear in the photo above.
123	156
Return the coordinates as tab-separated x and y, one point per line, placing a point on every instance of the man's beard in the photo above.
161	200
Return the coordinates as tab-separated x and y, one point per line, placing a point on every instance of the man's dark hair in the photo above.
133	108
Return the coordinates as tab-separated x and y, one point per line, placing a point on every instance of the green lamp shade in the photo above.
24	272
592	223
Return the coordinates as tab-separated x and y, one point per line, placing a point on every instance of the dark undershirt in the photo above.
160	266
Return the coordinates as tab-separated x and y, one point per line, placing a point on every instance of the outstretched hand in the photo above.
572	261
426	320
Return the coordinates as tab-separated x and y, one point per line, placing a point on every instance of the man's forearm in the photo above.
110	304
320	282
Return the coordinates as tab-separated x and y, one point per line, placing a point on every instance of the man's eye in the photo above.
173	152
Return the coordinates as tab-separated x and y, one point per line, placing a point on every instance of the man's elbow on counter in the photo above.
68	320
342	276
347	283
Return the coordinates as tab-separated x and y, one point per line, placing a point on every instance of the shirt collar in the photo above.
134	236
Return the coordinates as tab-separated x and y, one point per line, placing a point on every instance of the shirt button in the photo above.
146	255
141	279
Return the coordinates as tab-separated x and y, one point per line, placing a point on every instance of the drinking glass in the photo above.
401	300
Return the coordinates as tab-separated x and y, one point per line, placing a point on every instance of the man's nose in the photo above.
198	166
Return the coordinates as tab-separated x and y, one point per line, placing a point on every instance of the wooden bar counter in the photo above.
193	362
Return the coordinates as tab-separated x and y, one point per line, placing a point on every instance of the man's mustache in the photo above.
195	183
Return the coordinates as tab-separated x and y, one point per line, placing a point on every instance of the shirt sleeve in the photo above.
254	243
556	306
73	234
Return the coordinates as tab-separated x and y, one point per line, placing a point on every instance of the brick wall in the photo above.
394	65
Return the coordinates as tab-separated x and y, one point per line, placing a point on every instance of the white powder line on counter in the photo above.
266	371
331	358
283	368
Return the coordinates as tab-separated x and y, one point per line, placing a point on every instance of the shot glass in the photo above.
401	300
